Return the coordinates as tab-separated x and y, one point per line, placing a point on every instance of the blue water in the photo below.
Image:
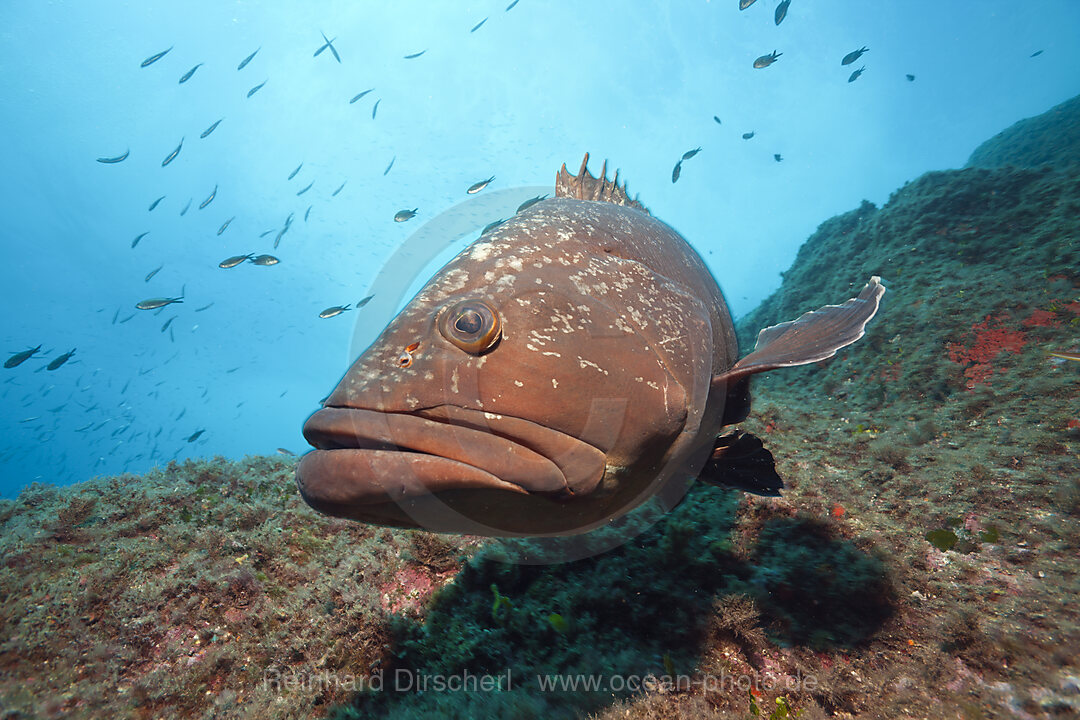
535	86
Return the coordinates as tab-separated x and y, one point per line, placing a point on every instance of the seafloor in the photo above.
921	563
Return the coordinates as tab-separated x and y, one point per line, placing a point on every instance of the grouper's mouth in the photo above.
369	457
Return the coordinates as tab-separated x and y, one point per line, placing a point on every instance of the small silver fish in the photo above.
195	435
293	173
333	311
478	186
184	211
530	202
777	157
511	5
415	55
283	451
675	172
1037	53
173	154
154	58
168	323
403	215
690	153
155	303
187	76
747	136
20	357
118	158
249	58
491	226
307	212
781	11
340	188
225	225
329	44
360	95
151	274
910	77
306	188
155	204
58	361
204	307
210	199
138	238
478	25
210	129
233	261
364	302
375	108
264	260
855	75
743	4
717	119
766	60
854	55
257	88
387	170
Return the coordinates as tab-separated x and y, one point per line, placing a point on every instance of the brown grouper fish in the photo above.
561	370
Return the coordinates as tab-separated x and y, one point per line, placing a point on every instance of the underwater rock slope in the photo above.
1052	138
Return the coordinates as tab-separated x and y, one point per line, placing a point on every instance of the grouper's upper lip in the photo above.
373	456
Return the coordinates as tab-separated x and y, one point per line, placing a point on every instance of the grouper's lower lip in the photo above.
366	457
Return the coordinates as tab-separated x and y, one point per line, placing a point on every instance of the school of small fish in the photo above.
251	85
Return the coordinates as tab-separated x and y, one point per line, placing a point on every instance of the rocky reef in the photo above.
1052	138
922	561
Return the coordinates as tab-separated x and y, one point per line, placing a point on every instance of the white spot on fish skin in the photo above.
539	338
411	401
548	352
454	280
428	375
519	383
523	301
589	363
454	381
554	384
532	347
481	251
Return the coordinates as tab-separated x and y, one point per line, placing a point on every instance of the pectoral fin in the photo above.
814	336
740	460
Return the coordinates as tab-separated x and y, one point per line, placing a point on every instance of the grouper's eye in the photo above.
472	325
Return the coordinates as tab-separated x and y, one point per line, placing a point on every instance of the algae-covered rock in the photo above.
1052	138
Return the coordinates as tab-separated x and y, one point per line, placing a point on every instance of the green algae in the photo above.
113	603
1051	138
942	539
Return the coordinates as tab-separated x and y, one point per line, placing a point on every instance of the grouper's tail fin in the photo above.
814	336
